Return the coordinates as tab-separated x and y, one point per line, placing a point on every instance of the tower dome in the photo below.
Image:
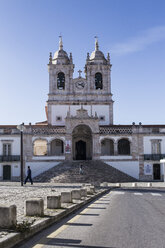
60	56
97	55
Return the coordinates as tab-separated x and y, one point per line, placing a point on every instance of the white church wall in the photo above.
15	144
48	158
102	110
147	143
61	111
39	167
16	169
123	157
129	167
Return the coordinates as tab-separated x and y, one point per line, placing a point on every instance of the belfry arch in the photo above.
82	143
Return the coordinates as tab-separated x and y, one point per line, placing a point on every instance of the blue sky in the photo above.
133	31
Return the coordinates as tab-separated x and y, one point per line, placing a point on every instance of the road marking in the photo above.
138	194
156	194
43	241
118	193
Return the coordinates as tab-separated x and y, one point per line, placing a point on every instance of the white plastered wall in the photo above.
129	167
61	110
39	167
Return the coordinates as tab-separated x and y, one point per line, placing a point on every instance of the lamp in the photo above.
21	128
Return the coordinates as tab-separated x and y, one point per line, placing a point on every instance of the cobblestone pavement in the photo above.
12	193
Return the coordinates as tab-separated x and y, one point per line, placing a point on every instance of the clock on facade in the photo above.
80	85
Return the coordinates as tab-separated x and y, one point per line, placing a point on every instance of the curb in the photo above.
14	238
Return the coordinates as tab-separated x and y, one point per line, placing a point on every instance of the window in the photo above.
102	118
58	118
61	81
98	81
40	148
124	147
6	149
156	146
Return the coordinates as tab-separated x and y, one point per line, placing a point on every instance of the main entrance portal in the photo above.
80	150
82	143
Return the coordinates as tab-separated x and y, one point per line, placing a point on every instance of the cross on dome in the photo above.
60	43
96	43
79	73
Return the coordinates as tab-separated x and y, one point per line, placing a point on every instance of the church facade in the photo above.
80	126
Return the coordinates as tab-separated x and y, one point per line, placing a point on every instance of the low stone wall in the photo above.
35	207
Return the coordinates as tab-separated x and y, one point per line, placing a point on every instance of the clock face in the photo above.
80	85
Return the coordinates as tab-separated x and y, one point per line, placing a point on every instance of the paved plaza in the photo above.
12	193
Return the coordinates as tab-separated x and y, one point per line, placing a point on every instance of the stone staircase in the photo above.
95	171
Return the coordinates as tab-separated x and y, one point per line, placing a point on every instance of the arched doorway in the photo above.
80	150
123	147
82	143
6	172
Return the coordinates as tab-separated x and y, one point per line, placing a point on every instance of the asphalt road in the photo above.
127	218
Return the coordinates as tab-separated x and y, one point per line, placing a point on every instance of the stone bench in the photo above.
8	216
83	192
105	184
134	184
54	201
90	190
66	197
34	207
76	194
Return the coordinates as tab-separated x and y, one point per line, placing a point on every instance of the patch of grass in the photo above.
23	226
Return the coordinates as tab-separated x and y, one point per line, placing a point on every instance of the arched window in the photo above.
61	81
57	147
123	147
40	147
98	81
107	147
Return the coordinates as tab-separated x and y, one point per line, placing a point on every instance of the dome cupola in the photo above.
60	56
97	55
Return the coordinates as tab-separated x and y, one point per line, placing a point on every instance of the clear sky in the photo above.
133	31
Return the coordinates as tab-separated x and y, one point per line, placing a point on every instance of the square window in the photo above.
101	118
58	118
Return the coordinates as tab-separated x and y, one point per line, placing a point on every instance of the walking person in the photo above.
29	176
81	169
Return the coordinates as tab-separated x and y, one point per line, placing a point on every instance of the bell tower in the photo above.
98	76
60	70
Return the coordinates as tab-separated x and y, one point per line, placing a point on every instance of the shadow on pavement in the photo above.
143	190
72	243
